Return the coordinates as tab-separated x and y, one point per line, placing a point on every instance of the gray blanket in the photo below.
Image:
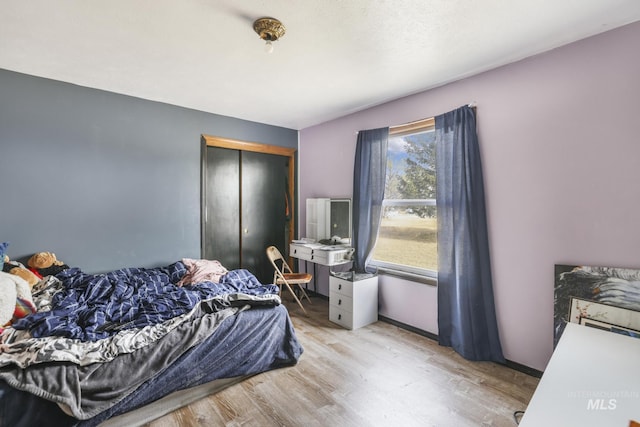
84	391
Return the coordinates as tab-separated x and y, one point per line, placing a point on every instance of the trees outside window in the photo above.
407	238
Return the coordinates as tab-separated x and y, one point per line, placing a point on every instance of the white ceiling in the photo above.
337	56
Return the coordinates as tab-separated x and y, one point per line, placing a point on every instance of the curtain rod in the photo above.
422	122
414	124
419	123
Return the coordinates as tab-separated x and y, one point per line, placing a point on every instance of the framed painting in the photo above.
598	296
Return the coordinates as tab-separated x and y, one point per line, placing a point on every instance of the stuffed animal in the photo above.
8	295
15	299
15	289
18	269
46	264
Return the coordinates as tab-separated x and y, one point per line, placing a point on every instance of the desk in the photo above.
329	255
592	379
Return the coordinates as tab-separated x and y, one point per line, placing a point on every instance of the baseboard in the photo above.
513	365
409	328
524	369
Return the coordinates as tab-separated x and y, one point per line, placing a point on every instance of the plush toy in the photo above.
8	295
15	289
15	299
18	269
46	264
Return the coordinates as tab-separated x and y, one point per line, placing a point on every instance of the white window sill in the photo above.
419	278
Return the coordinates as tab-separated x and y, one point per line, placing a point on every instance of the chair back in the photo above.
283	276
278	262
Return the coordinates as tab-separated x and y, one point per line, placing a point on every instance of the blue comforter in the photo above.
250	342
92	307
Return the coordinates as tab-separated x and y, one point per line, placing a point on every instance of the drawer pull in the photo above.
339	316
340	286
339	302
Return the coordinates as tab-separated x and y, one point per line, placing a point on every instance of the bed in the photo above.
103	348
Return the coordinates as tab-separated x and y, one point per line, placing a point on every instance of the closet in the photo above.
246	203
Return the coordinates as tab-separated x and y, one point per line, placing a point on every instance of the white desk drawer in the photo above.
341	317
299	251
341	301
341	286
324	255
309	254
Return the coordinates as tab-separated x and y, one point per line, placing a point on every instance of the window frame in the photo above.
408	272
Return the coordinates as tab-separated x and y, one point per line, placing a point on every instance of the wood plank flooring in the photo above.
379	375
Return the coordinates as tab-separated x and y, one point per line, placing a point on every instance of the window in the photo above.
407	238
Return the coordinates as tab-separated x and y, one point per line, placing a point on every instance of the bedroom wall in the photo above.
104	180
561	155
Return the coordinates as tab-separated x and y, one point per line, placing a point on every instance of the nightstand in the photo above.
353	303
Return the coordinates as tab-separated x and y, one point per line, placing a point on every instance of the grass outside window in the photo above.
409	240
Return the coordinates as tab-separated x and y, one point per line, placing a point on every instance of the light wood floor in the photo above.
379	375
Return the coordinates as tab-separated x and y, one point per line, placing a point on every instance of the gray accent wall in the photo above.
105	180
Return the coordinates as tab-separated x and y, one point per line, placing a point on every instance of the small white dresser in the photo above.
353	304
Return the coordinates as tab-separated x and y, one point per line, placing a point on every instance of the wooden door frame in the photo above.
256	147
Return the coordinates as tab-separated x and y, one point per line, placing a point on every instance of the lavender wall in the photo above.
561	149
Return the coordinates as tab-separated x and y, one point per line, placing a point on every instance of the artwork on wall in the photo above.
606	317
603	297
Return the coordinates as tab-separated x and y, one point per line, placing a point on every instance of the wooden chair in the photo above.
284	276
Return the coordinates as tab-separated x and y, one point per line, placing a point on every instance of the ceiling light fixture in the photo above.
269	30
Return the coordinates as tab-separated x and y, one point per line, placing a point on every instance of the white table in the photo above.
317	253
328	255
592	379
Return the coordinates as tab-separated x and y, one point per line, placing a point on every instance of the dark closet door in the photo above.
245	200
222	198
263	210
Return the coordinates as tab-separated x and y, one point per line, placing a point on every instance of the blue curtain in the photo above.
369	173
466	310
